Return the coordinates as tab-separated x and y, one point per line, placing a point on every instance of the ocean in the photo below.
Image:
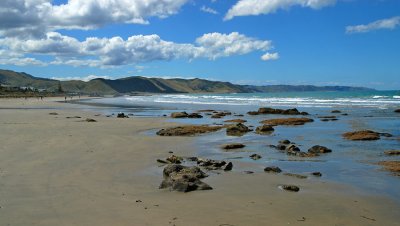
351	162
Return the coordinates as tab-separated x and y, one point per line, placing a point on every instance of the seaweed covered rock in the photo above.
364	135
264	129
232	146
190	130
287	121
265	110
317	149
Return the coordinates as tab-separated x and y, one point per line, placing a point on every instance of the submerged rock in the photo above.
255	156
287	121
90	120
295	175
397	110
392	166
264	110
194	115
364	135
233	146
317	174
183	179
238	129
236	120
188	130
264	129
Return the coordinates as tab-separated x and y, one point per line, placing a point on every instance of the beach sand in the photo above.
60	171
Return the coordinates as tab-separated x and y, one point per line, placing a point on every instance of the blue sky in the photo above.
320	42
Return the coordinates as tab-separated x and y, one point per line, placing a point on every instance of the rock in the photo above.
336	112
319	149
295	175
392	152
233	146
228	167
239	115
397	110
193	159
190	130
287	121
248	172
182	114
122	115
264	129
252	113
317	174
174	159
210	164
292	111
255	156
281	147
162	161
284	142
272	169
238	129
206	110
293	188
90	120
53	113
292	148
216	116
74	117
392	166
364	135
194	115
236	120
183	179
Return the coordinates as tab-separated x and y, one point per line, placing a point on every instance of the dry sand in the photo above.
59	171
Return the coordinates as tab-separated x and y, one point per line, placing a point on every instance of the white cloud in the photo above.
208	10
270	56
115	51
84	78
27	18
390	23
257	7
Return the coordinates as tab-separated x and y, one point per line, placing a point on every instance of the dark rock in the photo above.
397	110
392	152
233	146
284	142
317	149
293	188
255	156
336	111
193	159
272	169
252	113
179	115
292	148
183	179
364	135
210	164
90	120
174	159
194	115
73	117
206	110
317	174
287	121
345	114
122	115
216	116
53	113
238	129
239	115
264	129
228	166
292	111
188	130
281	147
248	172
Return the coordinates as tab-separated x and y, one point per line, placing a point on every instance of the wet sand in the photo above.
60	171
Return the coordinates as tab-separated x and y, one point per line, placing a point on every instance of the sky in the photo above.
259	42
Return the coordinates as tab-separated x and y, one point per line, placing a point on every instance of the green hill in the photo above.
139	84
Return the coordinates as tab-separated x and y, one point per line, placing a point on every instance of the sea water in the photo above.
351	162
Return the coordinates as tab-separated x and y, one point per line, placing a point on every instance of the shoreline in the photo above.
59	171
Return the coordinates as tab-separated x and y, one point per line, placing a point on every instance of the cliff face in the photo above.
152	85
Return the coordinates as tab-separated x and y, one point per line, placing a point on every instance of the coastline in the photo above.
63	171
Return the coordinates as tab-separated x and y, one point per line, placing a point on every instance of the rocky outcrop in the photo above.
210	164
317	149
238	129
287	121
183	179
291	149
392	166
292	111
264	129
122	115
364	135
397	110
188	130
184	114
232	146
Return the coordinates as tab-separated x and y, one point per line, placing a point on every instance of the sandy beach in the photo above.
56	170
